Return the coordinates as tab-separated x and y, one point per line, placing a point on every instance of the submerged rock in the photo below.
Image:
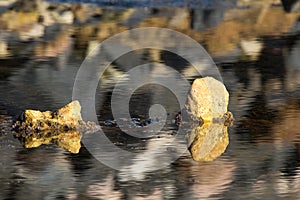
62	127
66	118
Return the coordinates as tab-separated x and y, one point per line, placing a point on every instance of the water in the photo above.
262	160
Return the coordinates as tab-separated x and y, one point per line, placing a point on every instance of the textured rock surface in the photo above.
68	117
62	127
207	103
208	99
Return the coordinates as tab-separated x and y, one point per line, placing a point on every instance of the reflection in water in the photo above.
208	141
262	160
69	140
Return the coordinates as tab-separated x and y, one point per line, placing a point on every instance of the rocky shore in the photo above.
48	29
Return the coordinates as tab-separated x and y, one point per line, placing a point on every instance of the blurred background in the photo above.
256	46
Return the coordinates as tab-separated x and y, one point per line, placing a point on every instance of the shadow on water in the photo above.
256	47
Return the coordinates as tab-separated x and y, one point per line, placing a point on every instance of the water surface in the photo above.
262	160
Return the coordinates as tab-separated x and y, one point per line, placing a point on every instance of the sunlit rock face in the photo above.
67	117
207	102
208	99
59	127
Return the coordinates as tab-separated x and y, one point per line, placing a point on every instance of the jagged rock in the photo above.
62	127
66	118
207	103
208	99
208	142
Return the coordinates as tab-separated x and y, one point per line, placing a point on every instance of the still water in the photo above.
256	47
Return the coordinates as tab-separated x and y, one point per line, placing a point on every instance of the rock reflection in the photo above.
69	140
208	142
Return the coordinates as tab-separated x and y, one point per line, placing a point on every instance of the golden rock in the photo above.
69	140
68	117
208	99
207	102
60	127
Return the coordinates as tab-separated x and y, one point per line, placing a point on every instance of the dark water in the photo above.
262	160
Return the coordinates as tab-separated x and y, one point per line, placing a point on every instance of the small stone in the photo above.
208	99
63	127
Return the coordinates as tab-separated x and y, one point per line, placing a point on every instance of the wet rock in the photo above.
66	118
208	99
62	127
208	142
207	103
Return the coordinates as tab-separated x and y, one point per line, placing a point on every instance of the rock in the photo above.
208	142
208	99
66	118
69	115
207	103
62	127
